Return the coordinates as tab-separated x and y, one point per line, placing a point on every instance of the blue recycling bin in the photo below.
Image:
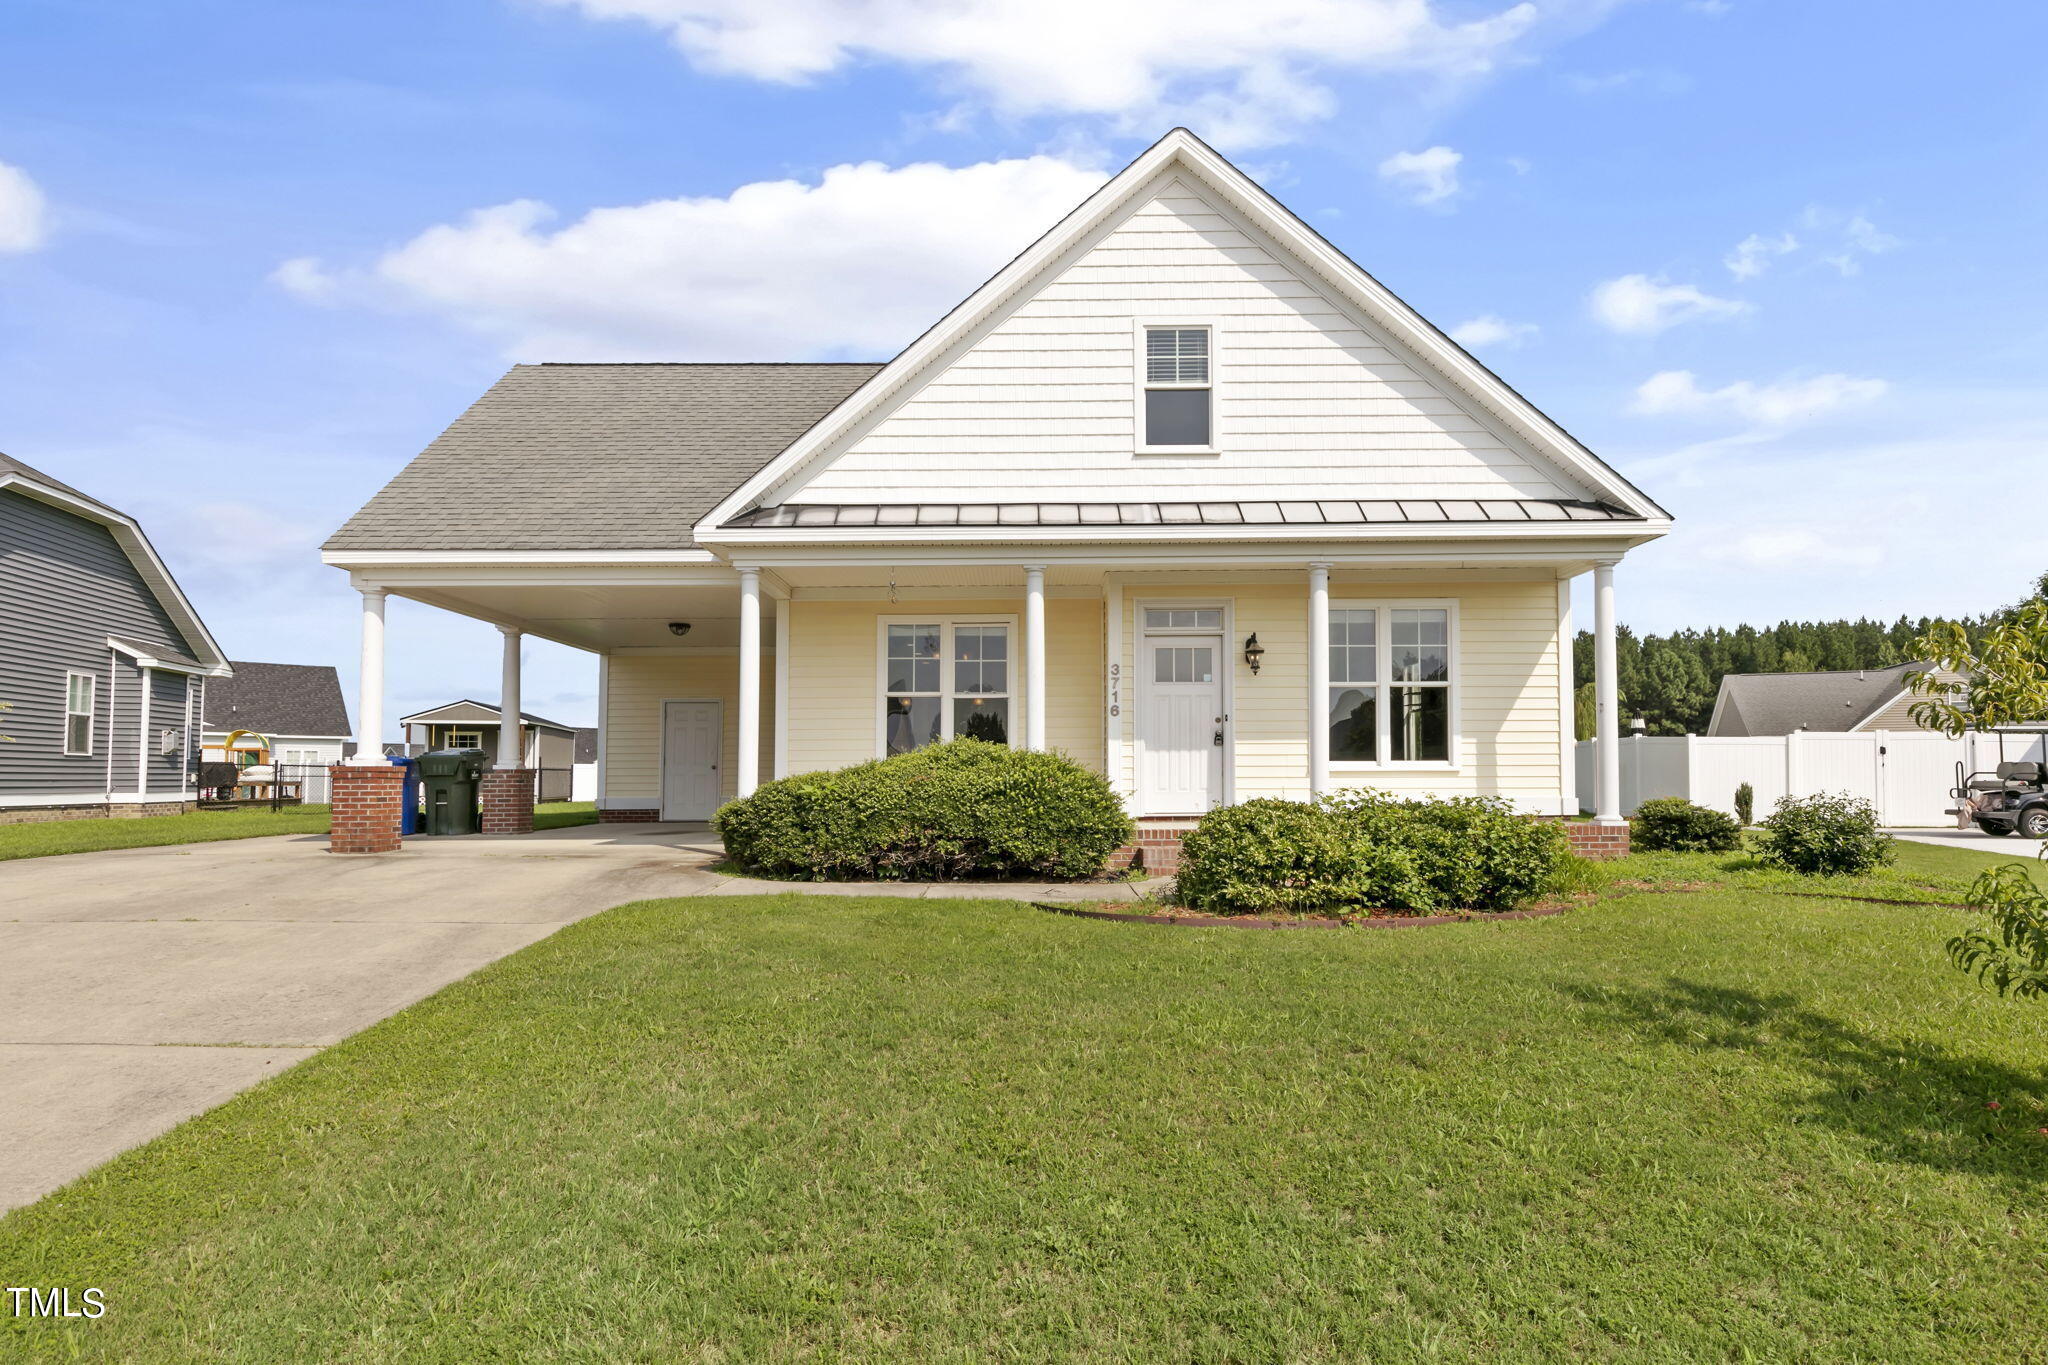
409	804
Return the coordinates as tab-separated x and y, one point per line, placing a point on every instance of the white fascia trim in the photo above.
351	559
208	734
144	659
128	535
1248	199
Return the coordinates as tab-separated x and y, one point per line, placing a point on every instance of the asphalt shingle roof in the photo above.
597	457
8	464
278	699
1779	703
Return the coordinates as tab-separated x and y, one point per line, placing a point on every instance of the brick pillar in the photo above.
1596	841
367	807
507	799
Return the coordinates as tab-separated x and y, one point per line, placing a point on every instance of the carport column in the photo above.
511	731
750	682
1606	703
370	685
1034	656
505	793
1318	679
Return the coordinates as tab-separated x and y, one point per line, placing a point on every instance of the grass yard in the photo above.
91	836
1724	1123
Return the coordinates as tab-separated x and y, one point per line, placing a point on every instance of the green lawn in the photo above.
90	836
1725	1123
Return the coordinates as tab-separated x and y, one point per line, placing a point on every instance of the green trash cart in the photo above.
449	779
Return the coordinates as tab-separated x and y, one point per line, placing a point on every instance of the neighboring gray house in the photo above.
1779	703
548	745
103	661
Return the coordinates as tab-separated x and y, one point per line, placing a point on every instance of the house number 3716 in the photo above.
1116	674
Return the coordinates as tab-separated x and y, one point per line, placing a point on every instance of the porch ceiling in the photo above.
600	618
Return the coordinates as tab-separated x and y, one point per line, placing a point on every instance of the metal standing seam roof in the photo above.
1338	512
278	699
597	457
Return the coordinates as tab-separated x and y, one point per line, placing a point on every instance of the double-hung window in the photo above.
462	739
1390	684
1177	388
78	710
945	679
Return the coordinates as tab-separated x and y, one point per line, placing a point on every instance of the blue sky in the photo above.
252	257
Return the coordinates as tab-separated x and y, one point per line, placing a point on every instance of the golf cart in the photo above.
2013	797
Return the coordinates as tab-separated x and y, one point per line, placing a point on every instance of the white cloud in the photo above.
1788	401
1795	547
1426	177
1860	238
1243	74
23	212
307	278
1638	305
1492	330
859	262
1752	255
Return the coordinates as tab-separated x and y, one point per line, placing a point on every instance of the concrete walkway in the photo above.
1975	840
139	987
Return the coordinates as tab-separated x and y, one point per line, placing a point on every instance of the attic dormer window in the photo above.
1177	388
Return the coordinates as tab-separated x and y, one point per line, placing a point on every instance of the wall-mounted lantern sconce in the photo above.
1253	652
679	627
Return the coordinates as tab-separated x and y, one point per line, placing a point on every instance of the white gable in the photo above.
1312	400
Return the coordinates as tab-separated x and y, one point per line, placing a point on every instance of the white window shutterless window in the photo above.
1390	684
462	739
1183	728
1178	409
945	679
78	712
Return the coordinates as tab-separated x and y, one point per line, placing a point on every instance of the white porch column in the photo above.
781	741
511	730
370	684
1034	657
1606	702
1318	679
750	682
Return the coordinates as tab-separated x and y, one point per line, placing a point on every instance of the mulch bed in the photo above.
1188	920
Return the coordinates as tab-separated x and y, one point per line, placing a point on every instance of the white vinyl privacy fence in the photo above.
1906	774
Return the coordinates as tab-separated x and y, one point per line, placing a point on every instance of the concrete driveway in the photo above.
142	986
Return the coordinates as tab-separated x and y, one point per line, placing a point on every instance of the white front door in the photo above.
1182	729
692	736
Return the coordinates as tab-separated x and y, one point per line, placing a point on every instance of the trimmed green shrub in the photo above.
967	808
1824	835
1672	824
1269	854
1474	852
1745	805
1368	851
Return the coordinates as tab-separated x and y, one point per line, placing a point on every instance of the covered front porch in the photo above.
1191	681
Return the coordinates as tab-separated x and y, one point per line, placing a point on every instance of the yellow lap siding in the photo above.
635	688
834	688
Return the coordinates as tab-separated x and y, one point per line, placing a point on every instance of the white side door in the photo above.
1181	726
692	736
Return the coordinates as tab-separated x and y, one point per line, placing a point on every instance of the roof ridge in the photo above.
679	364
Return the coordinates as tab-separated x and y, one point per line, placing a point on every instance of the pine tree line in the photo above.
1671	680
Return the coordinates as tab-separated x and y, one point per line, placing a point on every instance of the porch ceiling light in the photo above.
1253	652
679	627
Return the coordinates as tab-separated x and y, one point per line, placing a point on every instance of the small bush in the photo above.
1365	850
1269	854
1474	852
1672	824
1825	835
1745	805
967	808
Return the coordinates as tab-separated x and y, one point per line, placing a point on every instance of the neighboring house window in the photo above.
463	739
944	680
78	705
1177	387
1354	687
1390	685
